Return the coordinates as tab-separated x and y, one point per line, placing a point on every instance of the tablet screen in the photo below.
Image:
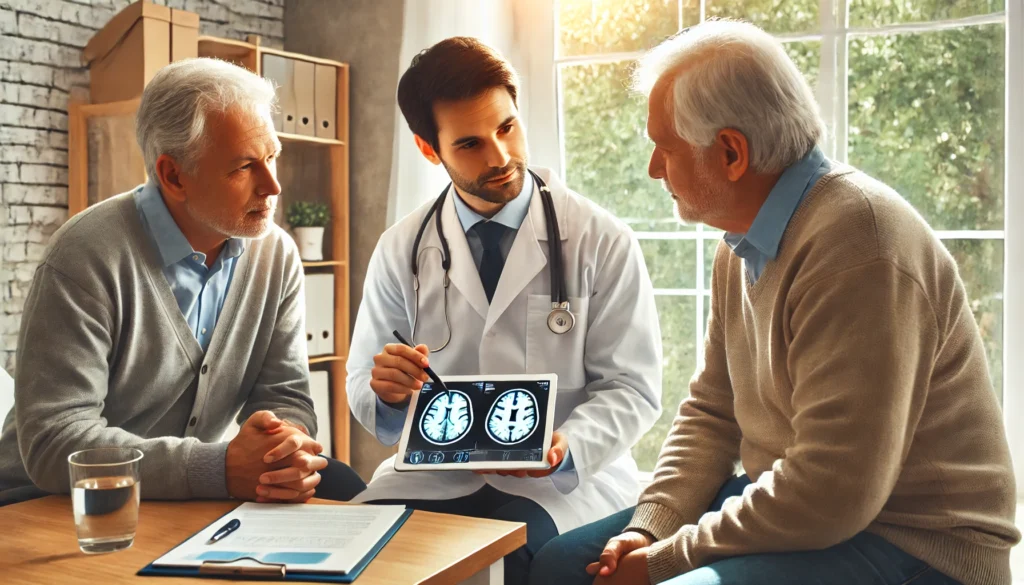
500	421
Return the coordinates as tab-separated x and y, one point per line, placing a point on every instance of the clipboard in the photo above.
271	571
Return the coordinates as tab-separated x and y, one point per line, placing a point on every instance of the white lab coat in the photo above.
608	366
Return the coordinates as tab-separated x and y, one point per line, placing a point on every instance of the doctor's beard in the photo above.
491	192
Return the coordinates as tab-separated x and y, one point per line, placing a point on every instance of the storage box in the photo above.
126	53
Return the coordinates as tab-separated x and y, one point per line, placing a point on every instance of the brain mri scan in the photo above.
513	417
447	418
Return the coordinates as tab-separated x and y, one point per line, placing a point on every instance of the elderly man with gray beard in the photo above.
157	315
844	368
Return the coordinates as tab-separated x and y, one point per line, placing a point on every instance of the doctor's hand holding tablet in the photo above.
559	447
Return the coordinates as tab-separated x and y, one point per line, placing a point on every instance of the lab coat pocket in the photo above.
549	352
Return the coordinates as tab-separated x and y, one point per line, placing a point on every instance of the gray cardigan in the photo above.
105	358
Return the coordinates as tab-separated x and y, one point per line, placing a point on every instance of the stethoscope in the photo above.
560	319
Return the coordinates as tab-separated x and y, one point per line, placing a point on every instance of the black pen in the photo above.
433	375
225	530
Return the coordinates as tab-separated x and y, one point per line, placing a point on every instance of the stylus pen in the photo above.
433	375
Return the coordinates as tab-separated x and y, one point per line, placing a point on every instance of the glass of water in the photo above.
105	491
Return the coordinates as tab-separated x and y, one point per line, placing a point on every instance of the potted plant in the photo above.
308	221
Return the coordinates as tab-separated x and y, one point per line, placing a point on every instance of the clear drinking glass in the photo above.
105	491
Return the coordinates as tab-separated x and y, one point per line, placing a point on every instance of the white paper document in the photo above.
304	537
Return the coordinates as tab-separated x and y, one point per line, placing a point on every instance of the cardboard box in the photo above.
128	51
184	35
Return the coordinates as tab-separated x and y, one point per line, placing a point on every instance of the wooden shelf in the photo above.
221	47
321	359
79	115
237	52
302	57
122	108
285	137
236	45
323	263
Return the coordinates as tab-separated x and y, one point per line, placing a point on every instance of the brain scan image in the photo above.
513	417
475	423
447	418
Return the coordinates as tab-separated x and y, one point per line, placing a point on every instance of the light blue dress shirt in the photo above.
760	244
390	420
200	291
511	216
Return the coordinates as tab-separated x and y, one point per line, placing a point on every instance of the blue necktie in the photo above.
493	262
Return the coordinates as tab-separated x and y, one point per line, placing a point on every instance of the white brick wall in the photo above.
40	50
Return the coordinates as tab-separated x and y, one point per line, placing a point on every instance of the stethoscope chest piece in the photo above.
560	319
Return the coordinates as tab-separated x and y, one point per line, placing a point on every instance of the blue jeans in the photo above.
340	482
865	559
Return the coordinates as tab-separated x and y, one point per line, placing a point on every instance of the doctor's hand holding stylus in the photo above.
398	371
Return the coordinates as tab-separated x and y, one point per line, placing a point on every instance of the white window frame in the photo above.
832	94
1013	241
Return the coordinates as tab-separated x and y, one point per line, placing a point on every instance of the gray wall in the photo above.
367	34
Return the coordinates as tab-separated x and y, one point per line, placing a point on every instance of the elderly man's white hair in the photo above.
731	74
175	105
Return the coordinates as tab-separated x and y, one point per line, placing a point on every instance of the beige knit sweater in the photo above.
851	382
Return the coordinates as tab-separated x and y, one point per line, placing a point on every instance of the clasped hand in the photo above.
273	460
623	561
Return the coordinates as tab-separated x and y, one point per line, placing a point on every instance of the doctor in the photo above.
492	254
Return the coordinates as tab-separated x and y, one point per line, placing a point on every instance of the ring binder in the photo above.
265	570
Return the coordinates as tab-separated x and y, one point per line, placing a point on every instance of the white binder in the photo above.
326	105
281	71
305	111
320	391
275	69
320	314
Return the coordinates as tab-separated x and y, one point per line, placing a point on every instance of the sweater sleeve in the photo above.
282	385
860	359
64	350
701	448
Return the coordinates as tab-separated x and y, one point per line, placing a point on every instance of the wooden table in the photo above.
38	545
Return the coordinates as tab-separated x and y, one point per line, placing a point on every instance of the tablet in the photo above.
482	422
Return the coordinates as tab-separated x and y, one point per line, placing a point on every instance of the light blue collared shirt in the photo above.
760	244
390	421
511	216
200	291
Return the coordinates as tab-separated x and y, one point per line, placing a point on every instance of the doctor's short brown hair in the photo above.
454	69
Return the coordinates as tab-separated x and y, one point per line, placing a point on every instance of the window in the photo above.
913	92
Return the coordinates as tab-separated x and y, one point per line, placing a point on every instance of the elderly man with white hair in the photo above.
158	314
844	369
